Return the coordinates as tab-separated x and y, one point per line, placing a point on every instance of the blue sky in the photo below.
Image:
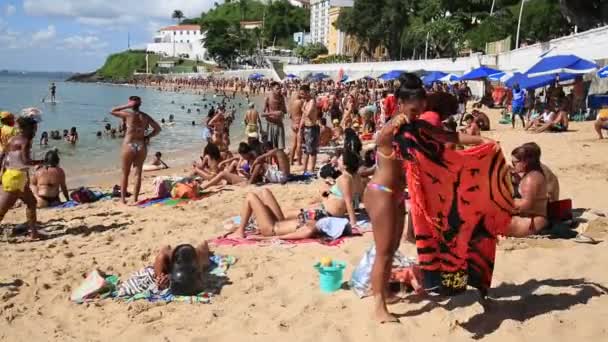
77	35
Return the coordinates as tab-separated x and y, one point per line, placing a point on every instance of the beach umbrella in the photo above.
256	76
527	82
562	64
501	76
449	78
432	77
479	73
603	72
319	76
391	75
291	76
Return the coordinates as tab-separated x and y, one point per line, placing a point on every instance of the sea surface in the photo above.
86	106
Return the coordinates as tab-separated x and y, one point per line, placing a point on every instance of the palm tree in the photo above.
179	15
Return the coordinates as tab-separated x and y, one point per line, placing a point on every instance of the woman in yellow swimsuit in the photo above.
15	180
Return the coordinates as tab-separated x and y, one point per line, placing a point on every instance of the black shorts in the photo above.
310	139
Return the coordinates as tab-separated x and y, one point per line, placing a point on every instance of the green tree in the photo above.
179	15
363	21
311	51
585	14
541	21
222	40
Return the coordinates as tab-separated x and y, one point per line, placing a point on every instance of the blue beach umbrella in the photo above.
527	82
603	72
391	75
479	73
562	64
449	78
433	77
291	76
319	76
256	76
501	76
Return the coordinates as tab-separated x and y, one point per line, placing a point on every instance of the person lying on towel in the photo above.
182	268
263	213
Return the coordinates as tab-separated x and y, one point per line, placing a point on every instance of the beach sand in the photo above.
543	288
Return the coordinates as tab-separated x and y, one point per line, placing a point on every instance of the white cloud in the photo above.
45	35
85	43
8	38
105	12
10	9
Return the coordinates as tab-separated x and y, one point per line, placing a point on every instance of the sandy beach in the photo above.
556	289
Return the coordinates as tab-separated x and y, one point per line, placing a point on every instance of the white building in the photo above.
319	18
179	41
302	38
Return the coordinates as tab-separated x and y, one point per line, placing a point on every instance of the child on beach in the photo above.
157	163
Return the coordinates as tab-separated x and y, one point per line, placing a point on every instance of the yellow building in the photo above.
340	43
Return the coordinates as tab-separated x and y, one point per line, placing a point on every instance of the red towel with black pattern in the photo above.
460	202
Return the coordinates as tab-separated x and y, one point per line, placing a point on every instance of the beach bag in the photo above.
83	195
361	279
93	286
560	211
162	187
182	190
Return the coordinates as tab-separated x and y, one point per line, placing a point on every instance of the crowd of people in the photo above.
361	164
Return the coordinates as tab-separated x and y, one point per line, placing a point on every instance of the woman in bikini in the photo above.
384	197
531	199
135	144
209	165
15	179
385	194
49	181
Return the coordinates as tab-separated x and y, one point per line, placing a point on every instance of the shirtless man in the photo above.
295	114
309	128
48	181
274	111
135	144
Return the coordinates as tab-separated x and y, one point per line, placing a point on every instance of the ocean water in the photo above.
87	107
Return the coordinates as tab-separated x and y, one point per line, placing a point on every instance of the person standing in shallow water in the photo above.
135	144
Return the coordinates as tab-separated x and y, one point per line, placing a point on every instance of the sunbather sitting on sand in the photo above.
210	163
531	196
559	123
275	166
49	181
238	170
182	268
272	223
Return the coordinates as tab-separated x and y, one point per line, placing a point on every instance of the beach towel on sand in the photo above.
141	284
460	202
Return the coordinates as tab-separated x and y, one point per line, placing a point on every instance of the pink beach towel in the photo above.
224	241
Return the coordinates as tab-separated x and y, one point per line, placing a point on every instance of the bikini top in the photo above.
335	190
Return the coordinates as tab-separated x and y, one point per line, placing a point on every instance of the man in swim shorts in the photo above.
309	129
295	114
274	111
275	165
135	144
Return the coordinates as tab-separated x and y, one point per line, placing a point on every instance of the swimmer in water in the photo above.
135	144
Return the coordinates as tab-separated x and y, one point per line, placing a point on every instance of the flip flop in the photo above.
581	238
